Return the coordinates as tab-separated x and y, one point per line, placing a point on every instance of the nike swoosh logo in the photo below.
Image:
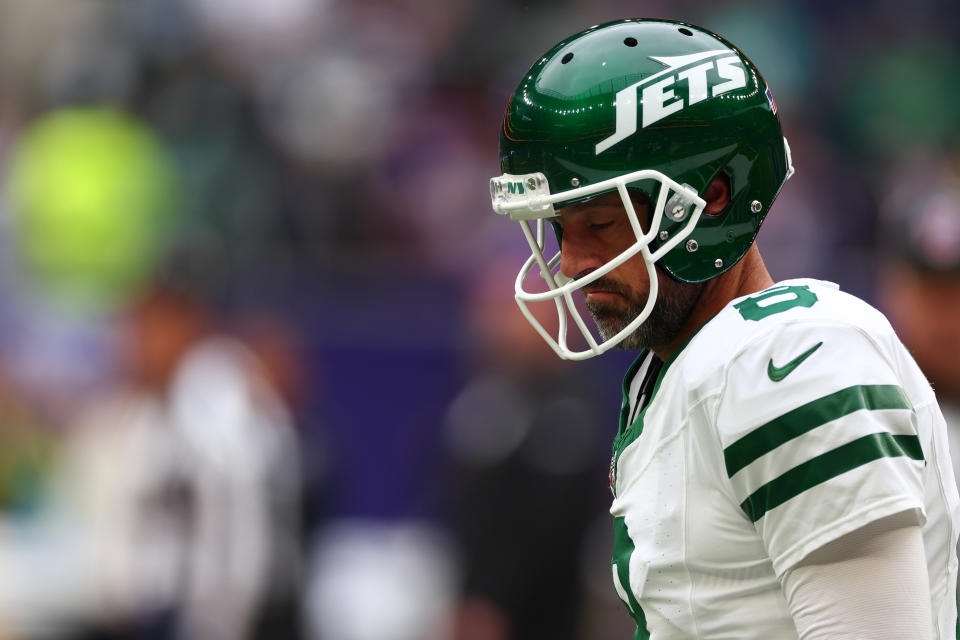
779	373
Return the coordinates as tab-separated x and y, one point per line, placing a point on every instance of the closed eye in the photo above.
597	226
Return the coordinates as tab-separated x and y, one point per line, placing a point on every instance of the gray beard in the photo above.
673	307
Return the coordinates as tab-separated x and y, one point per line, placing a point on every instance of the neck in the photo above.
747	276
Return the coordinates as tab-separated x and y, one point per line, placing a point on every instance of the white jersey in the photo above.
792	417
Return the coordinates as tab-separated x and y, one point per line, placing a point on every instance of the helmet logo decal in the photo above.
722	72
515	187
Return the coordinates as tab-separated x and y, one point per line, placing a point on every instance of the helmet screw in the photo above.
718	263
677	213
692	245
575	182
532	183
755	206
664	235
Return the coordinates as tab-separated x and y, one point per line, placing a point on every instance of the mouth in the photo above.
601	295
605	293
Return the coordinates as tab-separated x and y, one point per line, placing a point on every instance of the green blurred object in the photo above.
905	97
29	455
93	196
779	38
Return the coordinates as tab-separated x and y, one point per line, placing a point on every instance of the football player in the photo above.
781	468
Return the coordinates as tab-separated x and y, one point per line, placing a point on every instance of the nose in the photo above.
579	251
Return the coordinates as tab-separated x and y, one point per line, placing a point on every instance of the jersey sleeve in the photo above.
819	437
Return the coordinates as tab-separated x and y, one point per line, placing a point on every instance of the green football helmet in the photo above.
658	106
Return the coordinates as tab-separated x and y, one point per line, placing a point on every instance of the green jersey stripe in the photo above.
622	550
641	633
807	417
827	466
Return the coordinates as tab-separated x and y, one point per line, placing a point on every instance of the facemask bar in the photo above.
789	157
534	206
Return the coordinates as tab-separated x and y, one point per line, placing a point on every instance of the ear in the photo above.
717	195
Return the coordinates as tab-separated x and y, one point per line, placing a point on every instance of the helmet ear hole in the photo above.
717	195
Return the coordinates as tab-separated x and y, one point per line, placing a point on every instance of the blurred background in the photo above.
261	372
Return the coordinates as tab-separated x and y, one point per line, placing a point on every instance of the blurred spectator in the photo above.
920	274
175	505
530	458
920	277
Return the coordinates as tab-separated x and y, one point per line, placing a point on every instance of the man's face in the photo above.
596	232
